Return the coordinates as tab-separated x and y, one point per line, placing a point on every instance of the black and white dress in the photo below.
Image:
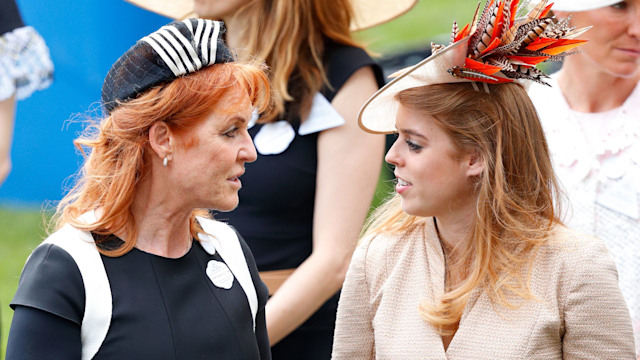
208	304
275	214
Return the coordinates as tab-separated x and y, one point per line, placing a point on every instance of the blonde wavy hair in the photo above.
289	35
117	144
517	194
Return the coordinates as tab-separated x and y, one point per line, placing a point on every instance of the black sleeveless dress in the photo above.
163	308
275	215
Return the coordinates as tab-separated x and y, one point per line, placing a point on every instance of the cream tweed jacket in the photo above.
580	312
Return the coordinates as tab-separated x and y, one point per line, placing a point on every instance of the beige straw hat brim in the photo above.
370	13
378	114
367	13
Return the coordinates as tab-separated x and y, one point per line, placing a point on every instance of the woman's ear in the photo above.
475	163
161	139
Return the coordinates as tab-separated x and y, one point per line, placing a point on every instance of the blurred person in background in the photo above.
137	268
25	66
591	117
305	198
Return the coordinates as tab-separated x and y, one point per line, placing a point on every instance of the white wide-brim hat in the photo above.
378	114
582	5
367	13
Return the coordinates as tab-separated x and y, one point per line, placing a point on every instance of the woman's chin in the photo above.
410	210
227	206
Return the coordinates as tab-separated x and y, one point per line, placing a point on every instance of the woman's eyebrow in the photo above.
413	133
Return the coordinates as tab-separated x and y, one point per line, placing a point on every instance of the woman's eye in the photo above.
413	146
620	6
231	132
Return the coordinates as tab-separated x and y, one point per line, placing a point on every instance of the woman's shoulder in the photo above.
51	281
385	249
342	61
576	257
568	243
385	242
347	53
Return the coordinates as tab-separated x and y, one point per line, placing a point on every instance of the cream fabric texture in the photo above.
580	313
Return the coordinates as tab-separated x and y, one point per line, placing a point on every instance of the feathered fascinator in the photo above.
502	43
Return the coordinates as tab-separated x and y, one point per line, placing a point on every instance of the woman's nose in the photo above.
248	150
392	156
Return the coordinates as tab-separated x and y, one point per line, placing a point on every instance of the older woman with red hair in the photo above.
136	269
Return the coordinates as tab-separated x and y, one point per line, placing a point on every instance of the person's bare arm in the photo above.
7	115
349	162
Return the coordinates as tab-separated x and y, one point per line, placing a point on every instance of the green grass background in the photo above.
22	229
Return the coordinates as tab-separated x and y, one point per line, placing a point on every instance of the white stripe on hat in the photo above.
198	36
162	54
189	25
179	53
170	50
204	45
188	45
172	34
214	43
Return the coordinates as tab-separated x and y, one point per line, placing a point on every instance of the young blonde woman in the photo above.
590	117
469	259
305	198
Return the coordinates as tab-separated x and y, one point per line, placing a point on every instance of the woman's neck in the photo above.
454	229
591	90
163	228
237	29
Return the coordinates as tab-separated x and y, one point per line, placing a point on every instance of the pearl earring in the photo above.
165	161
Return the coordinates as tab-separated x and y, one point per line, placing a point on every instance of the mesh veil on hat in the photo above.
503	43
176	49
582	5
367	13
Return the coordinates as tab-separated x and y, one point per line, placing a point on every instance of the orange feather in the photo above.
540	42
514	8
545	11
529	60
563	45
494	44
462	33
497	26
481	67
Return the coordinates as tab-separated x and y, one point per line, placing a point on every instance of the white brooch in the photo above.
219	274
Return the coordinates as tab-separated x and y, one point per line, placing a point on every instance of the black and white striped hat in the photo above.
176	49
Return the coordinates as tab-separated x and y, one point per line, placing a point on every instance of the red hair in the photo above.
117	144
